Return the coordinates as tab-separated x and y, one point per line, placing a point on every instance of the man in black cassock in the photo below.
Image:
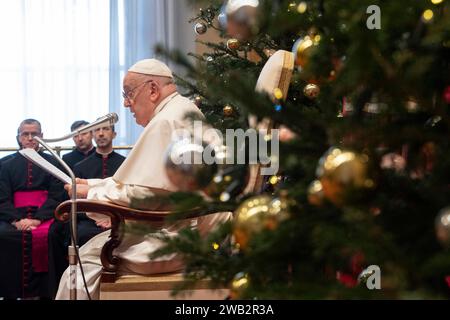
103	163
83	145
4	159
28	198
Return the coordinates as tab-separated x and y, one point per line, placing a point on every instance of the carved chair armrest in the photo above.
118	215
112	210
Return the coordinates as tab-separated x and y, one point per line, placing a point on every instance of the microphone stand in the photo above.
73	248
110	119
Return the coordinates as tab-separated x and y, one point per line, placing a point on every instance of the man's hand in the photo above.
82	189
81	181
27	224
105	224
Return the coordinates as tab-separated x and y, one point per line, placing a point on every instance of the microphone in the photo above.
109	120
106	121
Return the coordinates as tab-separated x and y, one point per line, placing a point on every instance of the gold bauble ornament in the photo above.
257	214
228	111
442	227
278	93
239	284
292	7
315	193
311	91
343	173
303	48
301	8
233	44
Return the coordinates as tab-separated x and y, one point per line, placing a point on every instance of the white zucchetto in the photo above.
152	67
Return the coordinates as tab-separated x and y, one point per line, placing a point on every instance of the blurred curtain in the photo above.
64	60
136	27
54	63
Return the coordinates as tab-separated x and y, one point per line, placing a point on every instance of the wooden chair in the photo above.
134	287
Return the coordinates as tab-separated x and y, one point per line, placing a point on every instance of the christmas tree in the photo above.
361	200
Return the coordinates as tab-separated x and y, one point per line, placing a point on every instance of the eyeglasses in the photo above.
127	96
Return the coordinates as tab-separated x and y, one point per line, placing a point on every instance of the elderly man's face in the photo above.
26	134
139	97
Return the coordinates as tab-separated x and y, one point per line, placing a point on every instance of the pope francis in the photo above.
152	97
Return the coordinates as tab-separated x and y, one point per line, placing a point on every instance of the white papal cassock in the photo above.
143	169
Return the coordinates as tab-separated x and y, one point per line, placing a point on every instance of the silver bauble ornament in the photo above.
185	166
200	28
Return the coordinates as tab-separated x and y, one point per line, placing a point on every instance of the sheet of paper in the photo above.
36	158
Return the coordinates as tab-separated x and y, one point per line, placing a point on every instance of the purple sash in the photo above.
39	236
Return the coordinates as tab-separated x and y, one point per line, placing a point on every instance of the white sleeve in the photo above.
94	182
121	194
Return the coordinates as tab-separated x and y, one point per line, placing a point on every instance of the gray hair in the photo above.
29	121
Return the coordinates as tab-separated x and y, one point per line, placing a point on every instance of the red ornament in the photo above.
447	279
346	279
357	263
347	107
350	279
446	95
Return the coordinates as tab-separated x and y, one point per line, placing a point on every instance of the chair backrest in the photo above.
276	74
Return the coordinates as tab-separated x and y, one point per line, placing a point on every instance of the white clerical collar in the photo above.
164	103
